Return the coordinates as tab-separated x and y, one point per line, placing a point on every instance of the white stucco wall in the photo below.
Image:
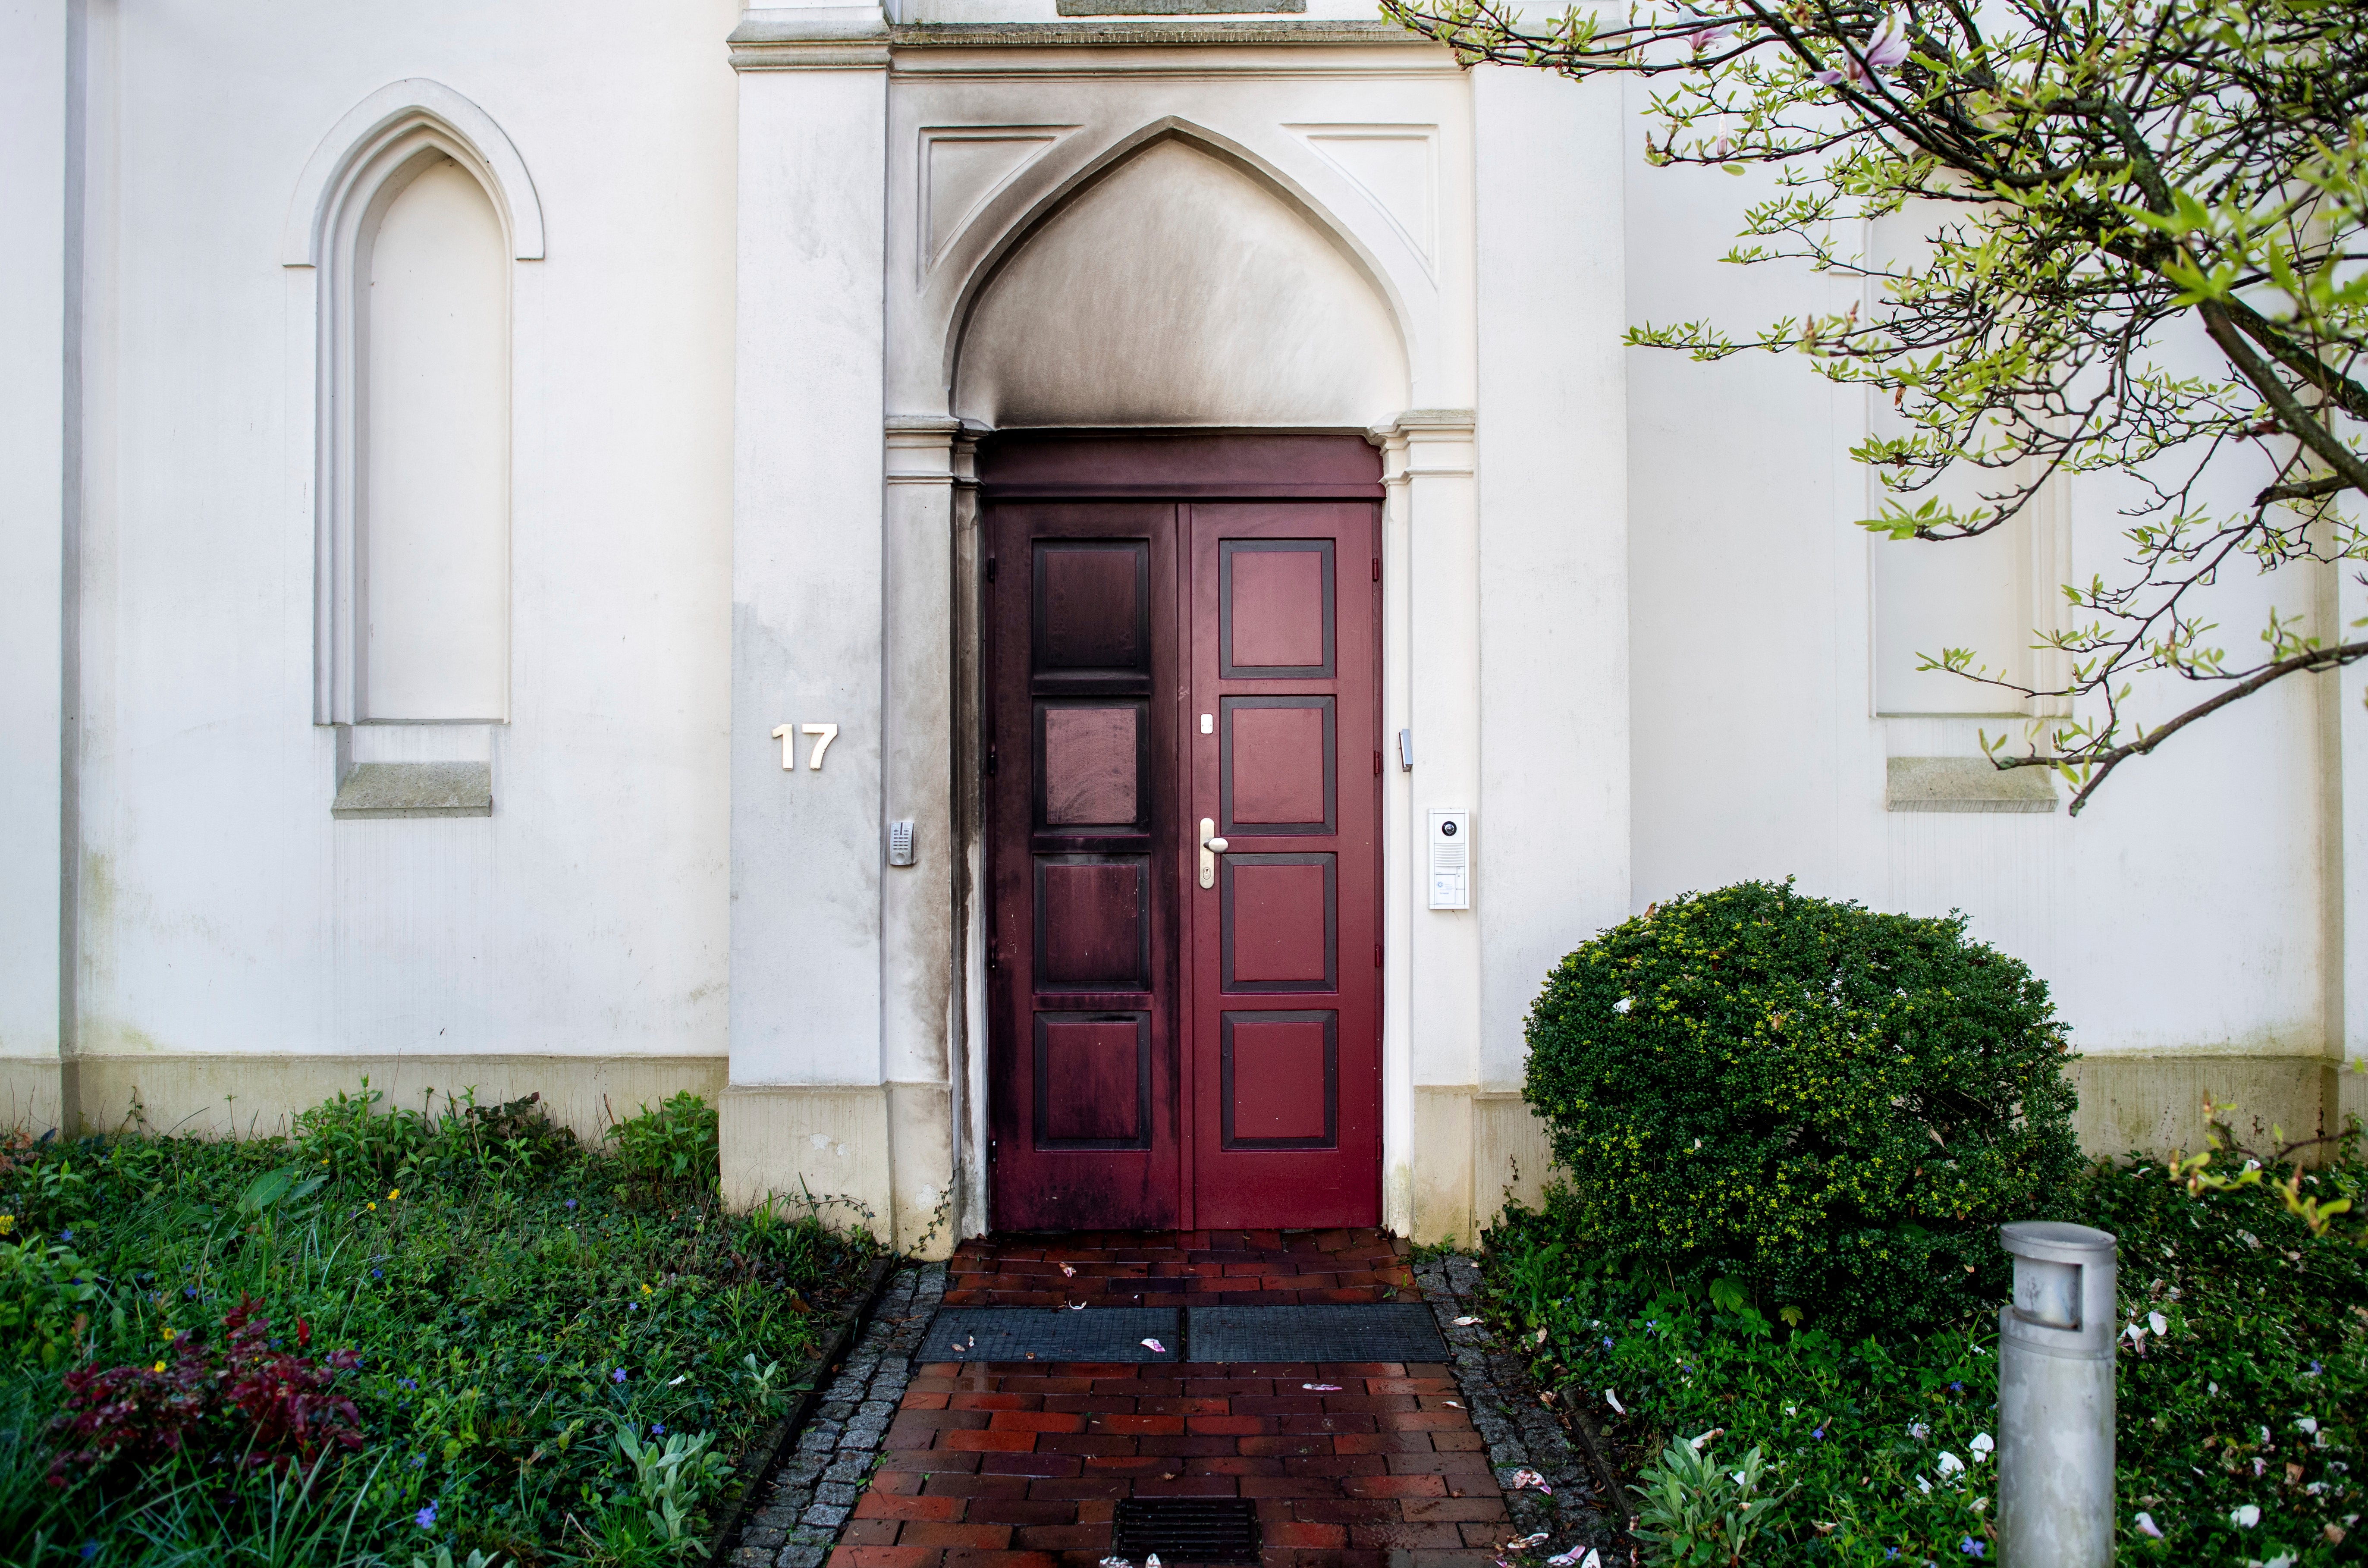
223	910
1629	621
2177	913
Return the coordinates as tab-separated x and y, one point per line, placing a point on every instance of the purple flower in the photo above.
543	1361
407	1383
65	1235
1819	1434
1884	53
633	1306
378	1273
425	1517
658	1428
618	1376
570	1203
1973	1547
191	1291
89	1550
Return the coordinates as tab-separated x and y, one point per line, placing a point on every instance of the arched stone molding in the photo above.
354	155
357	171
1000	230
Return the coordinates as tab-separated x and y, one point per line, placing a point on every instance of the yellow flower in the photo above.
373	1208
645	1290
160	1366
8	1223
396	1194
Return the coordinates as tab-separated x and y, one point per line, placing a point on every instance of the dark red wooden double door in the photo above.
1183	810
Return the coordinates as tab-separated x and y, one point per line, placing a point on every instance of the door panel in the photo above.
1160	1053
1288	1126
1081	820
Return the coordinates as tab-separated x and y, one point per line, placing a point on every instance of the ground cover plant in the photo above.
1769	1411
394	1336
2242	1390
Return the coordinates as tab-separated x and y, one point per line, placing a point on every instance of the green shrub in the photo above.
1827	1108
674	1143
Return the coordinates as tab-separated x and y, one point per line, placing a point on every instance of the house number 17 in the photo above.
788	735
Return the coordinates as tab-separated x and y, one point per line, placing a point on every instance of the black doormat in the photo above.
1187	1529
1399	1331
1041	1334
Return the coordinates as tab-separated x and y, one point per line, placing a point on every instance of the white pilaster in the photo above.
1553	845
807	847
34	345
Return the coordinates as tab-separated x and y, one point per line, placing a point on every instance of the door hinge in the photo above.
1377	764
992	1150
990	954
1377	569
990	762
990	568
1377	955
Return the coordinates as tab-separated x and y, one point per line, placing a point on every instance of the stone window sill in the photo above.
416	790
1965	784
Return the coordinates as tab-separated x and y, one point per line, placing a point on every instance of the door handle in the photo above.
1211	847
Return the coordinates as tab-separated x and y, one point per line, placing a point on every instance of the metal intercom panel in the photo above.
1451	860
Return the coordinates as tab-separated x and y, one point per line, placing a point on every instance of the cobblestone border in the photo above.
1522	1432
804	1503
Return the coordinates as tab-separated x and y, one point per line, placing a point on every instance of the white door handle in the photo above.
1211	847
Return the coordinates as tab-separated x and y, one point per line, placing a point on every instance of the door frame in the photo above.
1190	465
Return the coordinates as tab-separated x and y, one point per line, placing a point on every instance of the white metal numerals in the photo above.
788	735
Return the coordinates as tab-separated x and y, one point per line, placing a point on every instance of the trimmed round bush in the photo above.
1830	1108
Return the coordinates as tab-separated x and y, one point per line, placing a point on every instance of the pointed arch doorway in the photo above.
1182	825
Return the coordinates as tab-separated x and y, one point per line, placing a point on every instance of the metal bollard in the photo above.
2056	1398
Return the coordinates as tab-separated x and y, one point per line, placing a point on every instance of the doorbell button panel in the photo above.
1451	860
900	842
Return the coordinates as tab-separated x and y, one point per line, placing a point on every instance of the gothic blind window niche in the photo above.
411	217
432	486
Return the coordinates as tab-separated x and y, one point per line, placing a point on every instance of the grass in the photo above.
517	1301
2253	1396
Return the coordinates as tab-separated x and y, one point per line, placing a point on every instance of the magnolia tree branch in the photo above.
2103	175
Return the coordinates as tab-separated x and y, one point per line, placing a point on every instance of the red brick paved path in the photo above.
1021	1465
1205	1268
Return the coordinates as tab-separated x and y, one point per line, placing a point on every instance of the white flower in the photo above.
1950	1465
1466	1322
1696	1443
2146	1526
2307	1425
1918	1430
1613	1400
2246	1518
2282	1559
1924	1486
1982	1445
1980	1504
2157	1322
1624	1004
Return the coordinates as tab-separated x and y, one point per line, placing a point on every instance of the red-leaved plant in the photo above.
241	1403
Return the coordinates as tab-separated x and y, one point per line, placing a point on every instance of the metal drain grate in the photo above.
1187	1529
